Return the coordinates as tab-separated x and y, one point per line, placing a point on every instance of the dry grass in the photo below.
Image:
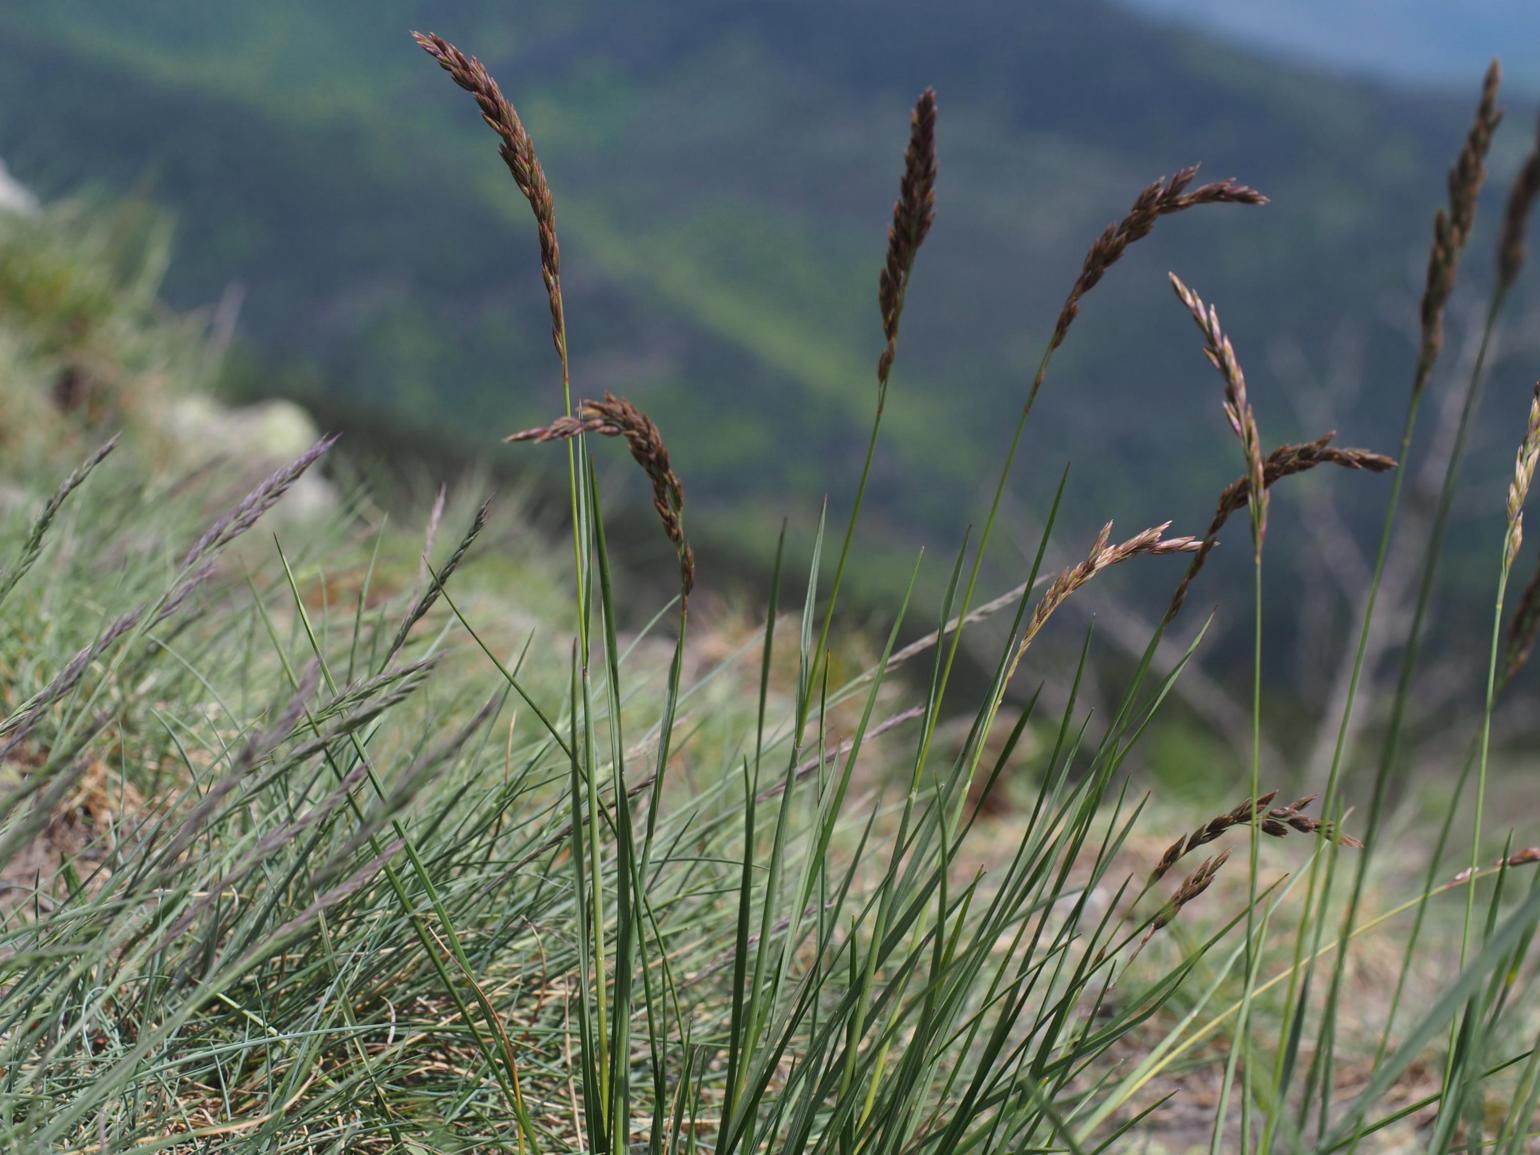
910	1000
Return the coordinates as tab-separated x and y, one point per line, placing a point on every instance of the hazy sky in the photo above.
1418	41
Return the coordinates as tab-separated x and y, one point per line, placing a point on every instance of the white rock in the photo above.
14	196
264	435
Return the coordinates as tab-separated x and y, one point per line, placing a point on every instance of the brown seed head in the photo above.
1102	556
1530	854
1282	819
1192	886
1521	199
518	153
1209	831
1243	421
1276	823
1159	199
1469	171
616	417
913	213
1452	226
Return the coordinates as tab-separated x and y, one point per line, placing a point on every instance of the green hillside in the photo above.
723	176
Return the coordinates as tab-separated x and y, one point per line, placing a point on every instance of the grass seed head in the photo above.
1159	199
1274	821
1452	226
913	213
1523	476
1238	411
1102	556
518	153
1192	887
1511	247
614	416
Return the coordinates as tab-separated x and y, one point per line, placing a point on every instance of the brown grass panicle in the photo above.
518	153
616	417
1511	246
1452	226
1102	556
1159	199
1209	831
1523	476
1276	822
1192	887
1282	462
1243	421
1282	819
913	213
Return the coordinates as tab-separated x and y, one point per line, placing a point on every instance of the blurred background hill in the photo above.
723	176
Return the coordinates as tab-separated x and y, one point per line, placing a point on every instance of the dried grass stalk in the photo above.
1161	198
1511	246
1102	556
1243	421
1282	462
1276	822
913	213
1523	475
518	153
1452	226
616	417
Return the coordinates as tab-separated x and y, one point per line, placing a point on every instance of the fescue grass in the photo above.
311	844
